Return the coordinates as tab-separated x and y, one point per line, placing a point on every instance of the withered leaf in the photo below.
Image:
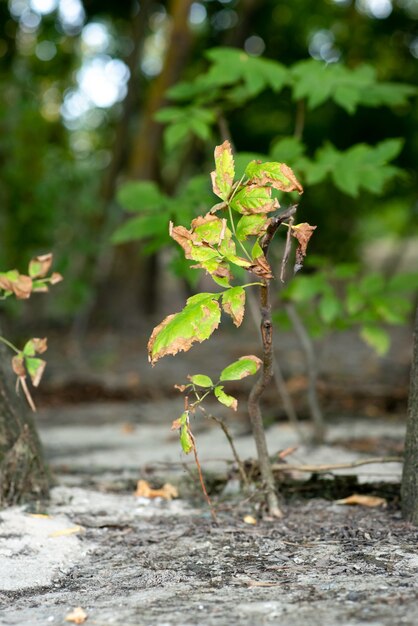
260	267
39	266
19	284
18	365
77	616
167	491
302	232
363	500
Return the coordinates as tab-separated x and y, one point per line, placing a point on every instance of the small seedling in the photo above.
12	283
233	237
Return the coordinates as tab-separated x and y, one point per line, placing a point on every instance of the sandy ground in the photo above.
131	561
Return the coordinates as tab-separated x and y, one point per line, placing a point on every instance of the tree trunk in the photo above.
409	489
23	473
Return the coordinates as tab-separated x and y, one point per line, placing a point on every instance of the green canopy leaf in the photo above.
377	338
141	195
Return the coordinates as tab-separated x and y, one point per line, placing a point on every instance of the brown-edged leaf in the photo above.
178	332
279	175
39	266
233	303
223	176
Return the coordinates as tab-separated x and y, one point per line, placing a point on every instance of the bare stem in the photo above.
235	454
254	402
325	468
202	482
279	381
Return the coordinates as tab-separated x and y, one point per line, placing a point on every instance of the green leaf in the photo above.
178	332
304	288
186	440
372	284
140	196
35	368
201	380
245	366
256	251
251	225
288	150
225	399
223	176
360	167
142	227
222	281
391	312
233	303
377	338
169	114
354	300
252	199
405	282
329	307
251	75
176	134
243	158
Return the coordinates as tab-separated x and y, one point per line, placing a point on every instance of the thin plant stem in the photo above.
279	381
243	248
202	482
9	345
230	440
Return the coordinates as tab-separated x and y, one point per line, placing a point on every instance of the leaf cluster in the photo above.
212	243
341	297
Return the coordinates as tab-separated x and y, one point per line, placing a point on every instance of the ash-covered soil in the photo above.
168	564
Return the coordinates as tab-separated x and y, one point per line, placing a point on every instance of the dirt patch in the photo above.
323	564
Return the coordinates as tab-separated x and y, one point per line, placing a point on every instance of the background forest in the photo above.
95	94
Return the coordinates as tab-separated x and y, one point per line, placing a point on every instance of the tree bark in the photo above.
23	472
409	490
146	150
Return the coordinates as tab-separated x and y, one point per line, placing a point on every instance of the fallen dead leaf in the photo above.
39	515
167	491
371	501
284	453
249	519
128	428
67	531
77	616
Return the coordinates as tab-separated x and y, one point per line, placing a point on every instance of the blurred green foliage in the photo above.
296	81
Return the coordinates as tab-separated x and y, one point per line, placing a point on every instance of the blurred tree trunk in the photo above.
147	146
146	149
23	473
247	10
410	469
